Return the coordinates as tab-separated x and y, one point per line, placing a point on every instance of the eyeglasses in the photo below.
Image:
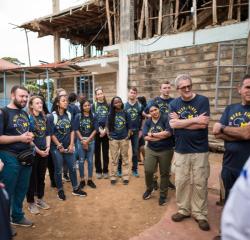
188	87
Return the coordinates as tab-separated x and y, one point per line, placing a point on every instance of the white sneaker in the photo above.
42	204
98	175
33	208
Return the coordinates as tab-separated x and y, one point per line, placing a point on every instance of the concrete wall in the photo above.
108	82
148	70
67	83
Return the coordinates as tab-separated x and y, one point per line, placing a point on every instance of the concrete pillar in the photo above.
57	45
248	42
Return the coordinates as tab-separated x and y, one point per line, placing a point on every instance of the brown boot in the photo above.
178	217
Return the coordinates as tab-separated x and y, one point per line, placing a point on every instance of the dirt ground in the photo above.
107	213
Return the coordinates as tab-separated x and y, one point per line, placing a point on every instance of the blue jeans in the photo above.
58	159
16	179
86	154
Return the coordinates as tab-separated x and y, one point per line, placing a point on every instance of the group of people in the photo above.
171	127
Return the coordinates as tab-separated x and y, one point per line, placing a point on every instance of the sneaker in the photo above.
98	175
135	173
147	194
82	184
105	175
42	204
91	184
171	185
66	178
162	200
178	217
125	182
79	192
113	182
203	225
155	185
33	208
24	222
61	195
119	174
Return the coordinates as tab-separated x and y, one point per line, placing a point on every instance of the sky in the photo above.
13	40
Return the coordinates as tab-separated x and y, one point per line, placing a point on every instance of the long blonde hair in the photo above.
30	109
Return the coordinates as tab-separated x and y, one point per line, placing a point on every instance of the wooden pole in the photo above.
177	5
194	15
230	10
215	20
146	18
238	11
140	28
115	24
160	18
109	23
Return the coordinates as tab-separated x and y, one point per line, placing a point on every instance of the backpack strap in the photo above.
5	117
55	116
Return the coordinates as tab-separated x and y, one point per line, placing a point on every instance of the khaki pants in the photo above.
116	147
191	175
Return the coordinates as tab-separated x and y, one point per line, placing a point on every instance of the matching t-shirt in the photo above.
135	115
191	141
17	124
155	127
237	152
161	102
73	109
41	129
100	112
62	128
121	126
85	124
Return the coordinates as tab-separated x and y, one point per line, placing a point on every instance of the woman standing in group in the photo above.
40	128
118	131
62	147
100	109
159	150
85	127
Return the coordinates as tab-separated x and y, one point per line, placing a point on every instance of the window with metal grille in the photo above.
85	86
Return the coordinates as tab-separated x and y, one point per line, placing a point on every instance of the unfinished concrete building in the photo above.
145	42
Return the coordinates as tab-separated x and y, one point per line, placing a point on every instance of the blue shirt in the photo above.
62	129
85	125
100	112
41	129
161	125
135	115
236	152
73	109
18	123
122	125
186	140
161	102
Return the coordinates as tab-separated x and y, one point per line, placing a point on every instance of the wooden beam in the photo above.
215	20
194	14
177	6
147	18
230	10
160	18
141	24
115	24
238	11
109	23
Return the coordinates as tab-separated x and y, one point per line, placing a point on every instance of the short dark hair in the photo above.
166	82
133	89
72	97
14	88
247	76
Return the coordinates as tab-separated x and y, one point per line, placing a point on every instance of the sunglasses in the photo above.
185	87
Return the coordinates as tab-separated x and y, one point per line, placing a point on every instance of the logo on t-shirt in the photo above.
239	119
63	126
40	128
120	122
156	129
133	113
85	125
101	111
187	112
21	123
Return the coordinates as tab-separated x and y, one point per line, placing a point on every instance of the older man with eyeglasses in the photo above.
189	118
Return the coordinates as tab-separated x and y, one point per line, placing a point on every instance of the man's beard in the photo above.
18	104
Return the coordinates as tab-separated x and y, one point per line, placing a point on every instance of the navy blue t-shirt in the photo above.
73	109
100	111
186	140
161	125
62	129
86	125
18	123
161	102
237	152
122	125
41	129
135	115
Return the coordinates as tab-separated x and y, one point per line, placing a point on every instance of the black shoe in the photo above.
82	184
66	178
91	184
162	200
125	182
147	194
53	184
61	195
113	182
155	185
171	185
203	225
178	217
79	192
